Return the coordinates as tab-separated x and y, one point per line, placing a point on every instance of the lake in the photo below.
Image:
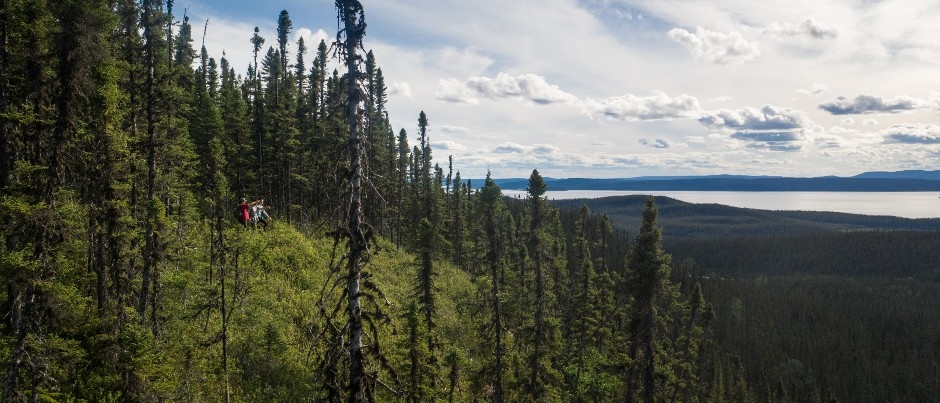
900	204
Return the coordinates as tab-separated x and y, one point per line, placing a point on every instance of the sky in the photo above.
626	88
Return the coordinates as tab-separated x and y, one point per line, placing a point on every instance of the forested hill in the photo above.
124	153
680	219
904	181
810	301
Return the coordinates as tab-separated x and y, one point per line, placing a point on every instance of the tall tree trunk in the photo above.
354	29
150	247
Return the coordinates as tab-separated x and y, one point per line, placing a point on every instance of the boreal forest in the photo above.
382	275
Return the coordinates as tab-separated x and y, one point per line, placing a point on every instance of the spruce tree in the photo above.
648	267
492	209
542	254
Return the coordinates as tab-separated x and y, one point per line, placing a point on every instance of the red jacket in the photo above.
243	210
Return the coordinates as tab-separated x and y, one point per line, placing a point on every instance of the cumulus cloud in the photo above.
453	91
830	141
768	128
527	87
658	143
656	107
768	117
400	88
455	130
871	104
716	47
312	39
447	145
768	137
513	148
912	133
808	28
544	149
814	90
535	89
509	148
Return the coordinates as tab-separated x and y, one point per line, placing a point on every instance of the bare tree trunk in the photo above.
354	29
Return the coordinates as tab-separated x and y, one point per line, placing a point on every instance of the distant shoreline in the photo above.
738	184
898	204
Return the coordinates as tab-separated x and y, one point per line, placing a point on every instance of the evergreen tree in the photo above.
234	113
582	317
256	101
648	280
492	209
35	230
542	375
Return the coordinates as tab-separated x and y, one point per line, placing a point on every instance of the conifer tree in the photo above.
582	319
234	114
648	280
50	116
256	99
542	375
492	209
401	185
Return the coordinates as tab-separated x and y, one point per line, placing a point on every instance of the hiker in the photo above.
259	214
244	213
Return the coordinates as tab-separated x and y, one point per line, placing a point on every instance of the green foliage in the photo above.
125	277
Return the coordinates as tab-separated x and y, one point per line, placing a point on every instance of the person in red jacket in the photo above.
243	209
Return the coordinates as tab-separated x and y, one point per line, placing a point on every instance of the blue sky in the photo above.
623	88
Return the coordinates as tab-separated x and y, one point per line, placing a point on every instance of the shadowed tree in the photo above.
648	280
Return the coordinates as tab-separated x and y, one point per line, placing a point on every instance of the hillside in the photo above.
802	296
902	181
681	219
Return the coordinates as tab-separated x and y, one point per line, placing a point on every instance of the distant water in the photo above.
899	204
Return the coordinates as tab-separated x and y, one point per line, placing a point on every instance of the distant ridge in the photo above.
901	181
911	174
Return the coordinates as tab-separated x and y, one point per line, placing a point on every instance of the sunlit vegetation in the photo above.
127	275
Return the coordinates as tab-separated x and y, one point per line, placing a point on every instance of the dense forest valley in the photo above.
811	300
383	275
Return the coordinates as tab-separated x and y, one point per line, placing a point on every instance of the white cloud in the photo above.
716	47
808	28
830	141
453	91
447	145
513	148
657	143
400	88
630	107
312	39
768	117
871	104
869	122
848	121
510	148
528	87
768	128
815	89
535	89
454	130
912	133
